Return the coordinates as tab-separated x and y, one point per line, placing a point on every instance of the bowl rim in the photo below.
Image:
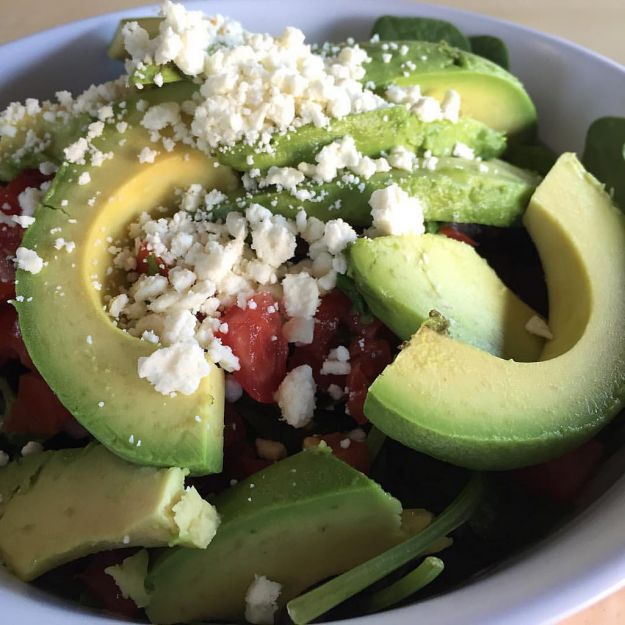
556	602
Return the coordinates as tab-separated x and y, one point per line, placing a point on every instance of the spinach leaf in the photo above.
491	48
392	27
538	158
604	154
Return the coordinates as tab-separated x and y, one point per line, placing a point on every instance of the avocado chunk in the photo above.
488	92
457	403
373	132
89	363
297	522
458	190
130	577
58	506
403	278
36	138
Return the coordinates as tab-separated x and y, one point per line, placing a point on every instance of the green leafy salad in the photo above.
294	331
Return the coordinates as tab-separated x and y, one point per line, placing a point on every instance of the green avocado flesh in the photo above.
88	362
58	506
462	191
488	92
38	139
457	403
297	522
403	278
373	132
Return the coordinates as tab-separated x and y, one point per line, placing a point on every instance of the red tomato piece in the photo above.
354	453
36	410
453	233
255	337
561	479
149	263
102	587
241	461
9	202
10	239
368	359
11	345
333	309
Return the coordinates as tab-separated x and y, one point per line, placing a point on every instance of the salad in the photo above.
276	342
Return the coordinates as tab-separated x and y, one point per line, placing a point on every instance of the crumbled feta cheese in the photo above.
28	200
261	601
450	106
147	155
296	396
117	305
4	459
395	212
28	260
301	295
538	326
234	390
31	448
299	330
176	369
462	150
337	362
336	392
337	235
23	220
61	243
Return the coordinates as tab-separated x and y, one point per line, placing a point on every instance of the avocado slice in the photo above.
458	190
304	519
93	501
88	362
403	278
457	403
488	92
373	132
38	137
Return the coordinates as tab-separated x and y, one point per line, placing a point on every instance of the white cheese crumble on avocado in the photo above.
261	600
28	260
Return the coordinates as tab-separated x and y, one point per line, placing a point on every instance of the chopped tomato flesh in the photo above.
255	337
11	344
454	233
149	263
354	453
241	461
36	410
562	479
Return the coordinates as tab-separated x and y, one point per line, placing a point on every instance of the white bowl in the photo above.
571	87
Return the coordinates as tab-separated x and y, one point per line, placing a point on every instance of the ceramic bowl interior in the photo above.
571	86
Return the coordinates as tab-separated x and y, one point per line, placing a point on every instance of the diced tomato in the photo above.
241	461
255	337
36	410
11	344
102	587
10	239
333	310
149	263
234	426
453	233
561	479
369	356
354	453
9	202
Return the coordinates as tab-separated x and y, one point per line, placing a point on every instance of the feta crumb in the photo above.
336	392
147	155
84	178
538	326
462	150
261	601
301	295
28	260
234	390
337	362
4	460
23	221
337	235
176	369
31	448
299	330
395	212
117	305
89	339
296	396
345	443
